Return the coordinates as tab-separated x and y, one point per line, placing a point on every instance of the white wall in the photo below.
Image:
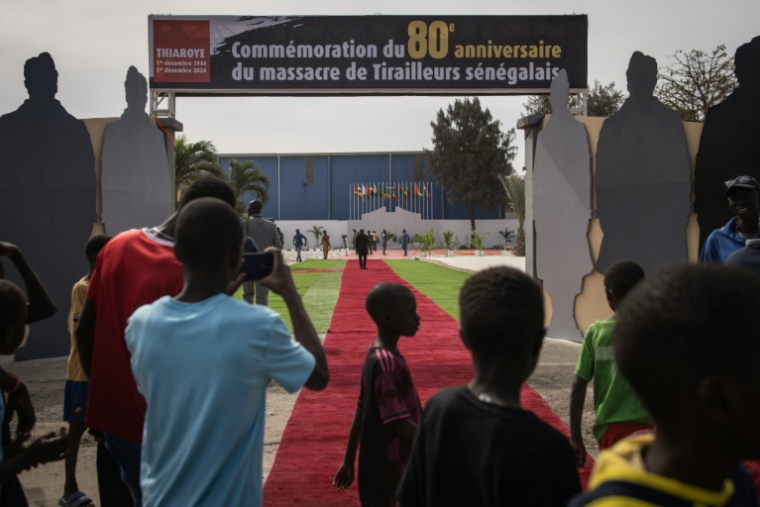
396	222
334	228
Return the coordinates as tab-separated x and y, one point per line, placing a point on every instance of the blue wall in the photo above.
297	200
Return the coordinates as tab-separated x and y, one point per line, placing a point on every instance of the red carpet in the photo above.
314	440
296	270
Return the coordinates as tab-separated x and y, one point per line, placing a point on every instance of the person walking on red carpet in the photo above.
388	411
476	444
619	412
362	248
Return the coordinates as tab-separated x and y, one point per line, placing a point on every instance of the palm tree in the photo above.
245	177
316	231
507	235
514	185
194	160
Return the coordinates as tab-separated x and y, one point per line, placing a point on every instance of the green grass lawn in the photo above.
439	283
319	264
318	290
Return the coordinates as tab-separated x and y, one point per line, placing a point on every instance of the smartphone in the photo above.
257	265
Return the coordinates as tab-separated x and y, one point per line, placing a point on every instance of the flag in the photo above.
364	191
385	192
430	193
416	191
406	192
358	191
371	190
395	197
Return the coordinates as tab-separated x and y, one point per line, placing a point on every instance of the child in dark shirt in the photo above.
388	411
686	341
13	318
476	445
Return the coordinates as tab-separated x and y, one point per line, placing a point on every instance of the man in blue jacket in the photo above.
743	193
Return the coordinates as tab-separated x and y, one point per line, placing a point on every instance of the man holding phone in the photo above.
264	234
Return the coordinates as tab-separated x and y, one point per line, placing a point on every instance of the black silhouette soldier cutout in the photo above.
730	142
135	181
47	196
643	177
562	210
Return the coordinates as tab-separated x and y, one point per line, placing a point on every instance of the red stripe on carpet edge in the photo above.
314	440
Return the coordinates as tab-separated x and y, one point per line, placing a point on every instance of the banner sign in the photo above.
365	55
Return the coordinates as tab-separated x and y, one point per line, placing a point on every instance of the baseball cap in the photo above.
741	182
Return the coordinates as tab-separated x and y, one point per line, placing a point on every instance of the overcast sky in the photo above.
93	42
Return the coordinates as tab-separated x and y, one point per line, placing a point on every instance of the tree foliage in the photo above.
514	186
246	177
477	239
194	160
469	154
693	82
603	100
426	241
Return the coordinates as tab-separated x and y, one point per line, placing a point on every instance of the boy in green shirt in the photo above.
619	412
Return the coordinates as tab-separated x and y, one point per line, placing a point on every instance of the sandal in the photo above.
77	499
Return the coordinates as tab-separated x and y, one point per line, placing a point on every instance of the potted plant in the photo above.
448	243
316	231
477	241
426	241
508	236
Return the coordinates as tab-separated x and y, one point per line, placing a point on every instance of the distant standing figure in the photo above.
281	236
384	238
47	194
374	241
325	244
137	187
562	210
404	241
264	234
362	247
643	177
298	242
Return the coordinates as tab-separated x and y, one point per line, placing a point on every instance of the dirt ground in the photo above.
46	378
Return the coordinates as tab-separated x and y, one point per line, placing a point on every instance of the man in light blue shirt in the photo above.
203	360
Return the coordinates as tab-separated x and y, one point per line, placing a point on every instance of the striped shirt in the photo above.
387	395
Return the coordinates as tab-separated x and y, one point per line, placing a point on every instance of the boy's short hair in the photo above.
683	324
501	312
621	277
12	303
94	245
209	186
386	297
207	231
